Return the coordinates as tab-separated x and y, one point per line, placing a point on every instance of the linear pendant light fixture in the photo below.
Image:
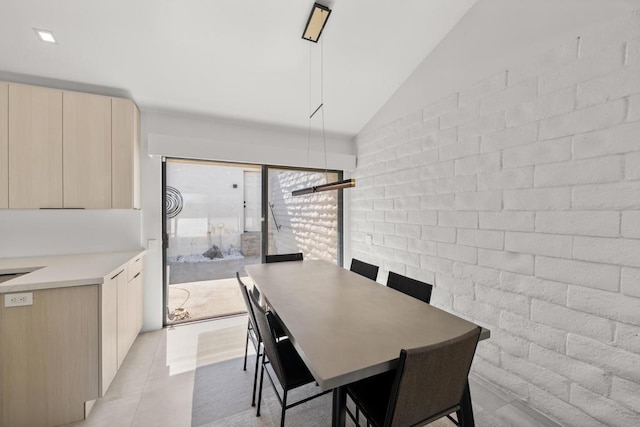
339	185
317	19
315	24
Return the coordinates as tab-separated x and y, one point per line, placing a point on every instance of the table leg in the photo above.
467	408
339	407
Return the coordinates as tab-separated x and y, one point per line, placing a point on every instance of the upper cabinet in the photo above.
125	154
86	148
35	147
63	149
4	145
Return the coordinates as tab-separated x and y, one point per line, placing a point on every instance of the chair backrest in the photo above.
268	337
245	296
284	257
409	286
362	268
430	380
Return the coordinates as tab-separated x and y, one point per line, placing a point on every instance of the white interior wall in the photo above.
32	232
196	137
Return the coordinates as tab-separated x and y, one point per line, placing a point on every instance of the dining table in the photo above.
347	327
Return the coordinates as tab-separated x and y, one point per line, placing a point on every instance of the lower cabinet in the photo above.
61	353
121	317
49	357
109	330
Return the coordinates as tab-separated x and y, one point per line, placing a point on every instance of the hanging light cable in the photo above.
315	24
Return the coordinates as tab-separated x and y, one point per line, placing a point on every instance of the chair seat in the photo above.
296	373
372	395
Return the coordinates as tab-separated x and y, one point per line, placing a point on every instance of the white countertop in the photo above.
60	271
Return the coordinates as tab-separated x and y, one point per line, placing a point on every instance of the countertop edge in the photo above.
59	271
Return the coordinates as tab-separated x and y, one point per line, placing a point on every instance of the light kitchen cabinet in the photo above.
136	297
60	353
63	149
122	316
86	148
35	147
109	329
125	149
49	357
4	145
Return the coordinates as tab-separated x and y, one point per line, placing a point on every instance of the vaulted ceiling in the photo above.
245	59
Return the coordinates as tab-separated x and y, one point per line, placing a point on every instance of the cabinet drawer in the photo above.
134	267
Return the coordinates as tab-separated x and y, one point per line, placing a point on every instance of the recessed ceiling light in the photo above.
45	36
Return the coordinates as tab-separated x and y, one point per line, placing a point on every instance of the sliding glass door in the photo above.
220	217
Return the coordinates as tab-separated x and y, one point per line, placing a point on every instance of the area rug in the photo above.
222	391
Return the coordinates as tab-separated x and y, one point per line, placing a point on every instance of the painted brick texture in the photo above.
519	199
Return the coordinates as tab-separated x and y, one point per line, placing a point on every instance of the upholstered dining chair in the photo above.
284	257
285	361
364	269
428	383
409	286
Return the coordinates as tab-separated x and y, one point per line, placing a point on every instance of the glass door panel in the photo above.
307	223
212	230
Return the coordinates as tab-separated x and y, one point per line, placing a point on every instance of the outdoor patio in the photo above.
205	299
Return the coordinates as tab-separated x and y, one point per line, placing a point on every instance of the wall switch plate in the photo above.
18	300
152	245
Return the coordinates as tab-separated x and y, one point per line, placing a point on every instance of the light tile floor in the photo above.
154	386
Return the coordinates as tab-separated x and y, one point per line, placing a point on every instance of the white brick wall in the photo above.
519	199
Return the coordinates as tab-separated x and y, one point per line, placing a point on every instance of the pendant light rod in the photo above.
314	113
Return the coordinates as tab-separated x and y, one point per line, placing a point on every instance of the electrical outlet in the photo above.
18	300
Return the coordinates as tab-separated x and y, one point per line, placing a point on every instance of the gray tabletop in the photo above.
345	326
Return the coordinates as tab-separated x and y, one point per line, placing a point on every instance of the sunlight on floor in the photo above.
226	343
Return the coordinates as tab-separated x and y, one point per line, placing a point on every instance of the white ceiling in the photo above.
238	59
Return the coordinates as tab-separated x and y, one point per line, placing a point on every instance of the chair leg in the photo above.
246	348
255	377
465	416
284	408
260	390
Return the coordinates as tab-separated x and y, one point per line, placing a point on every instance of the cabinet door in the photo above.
35	147
87	150
125	154
135	306
139	318
109	329
123	318
4	145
